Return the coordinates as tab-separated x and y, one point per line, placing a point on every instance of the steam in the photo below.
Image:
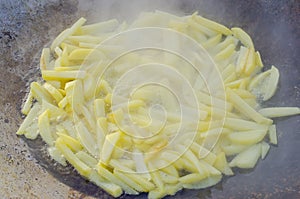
101	10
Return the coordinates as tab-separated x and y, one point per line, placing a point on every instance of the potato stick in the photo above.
32	131
108	146
242	60
233	149
168	179
192	178
125	177
104	86
60	38
200	37
99	108
272	84
245	94
71	142
235	84
258	79
88	45
112	178
273	112
245	109
58	51
45	59
225	53
63	75
178	26
213	25
212	100
118	165
192	158
212	170
156	178
222	165
157	193
80	166
102	122
171	170
213	41
87	139
247	137
75	40
29	119
62	104
258	60
53	91
215	132
28	104
244	84
265	147
243	125
44	128
250	64
89	88
230	69
272	134
206	182
230	78
205	125
68	68
243	37
68	47
200	28
64	61
68	127
40	93
56	84
203	153
224	44
87	116
87	159
56	155
106	185
172	189
248	158
54	112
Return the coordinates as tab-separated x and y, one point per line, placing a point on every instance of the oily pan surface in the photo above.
28	26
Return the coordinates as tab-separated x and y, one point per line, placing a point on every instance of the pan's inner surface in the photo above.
28	26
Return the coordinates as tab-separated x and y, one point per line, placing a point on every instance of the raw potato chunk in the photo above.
247	137
108	107
248	158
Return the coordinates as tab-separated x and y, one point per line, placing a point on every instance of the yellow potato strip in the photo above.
44	128
28	104
60	38
80	166
40	93
243	37
29	119
45	59
71	142
109	187
273	112
63	75
247	110
112	178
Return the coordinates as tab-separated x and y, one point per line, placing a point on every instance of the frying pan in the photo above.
27	26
